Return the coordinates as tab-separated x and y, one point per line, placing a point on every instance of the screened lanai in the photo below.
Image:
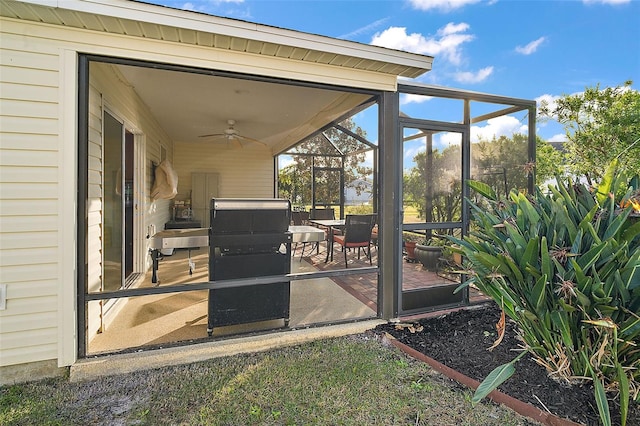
416	161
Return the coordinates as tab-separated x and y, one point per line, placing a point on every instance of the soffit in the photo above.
173	25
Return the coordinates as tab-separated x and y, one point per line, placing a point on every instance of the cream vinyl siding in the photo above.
243	172
94	208
29	204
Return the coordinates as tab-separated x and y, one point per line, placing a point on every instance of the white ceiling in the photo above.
188	105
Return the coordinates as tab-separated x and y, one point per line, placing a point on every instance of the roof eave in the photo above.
403	64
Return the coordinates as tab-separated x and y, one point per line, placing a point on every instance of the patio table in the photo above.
306	234
331	224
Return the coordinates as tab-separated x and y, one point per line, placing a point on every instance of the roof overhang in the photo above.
140	19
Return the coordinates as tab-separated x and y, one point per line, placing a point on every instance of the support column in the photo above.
389	213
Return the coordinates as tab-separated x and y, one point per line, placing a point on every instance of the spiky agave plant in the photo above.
565	267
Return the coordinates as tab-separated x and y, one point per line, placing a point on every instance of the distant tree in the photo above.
330	149
601	124
501	162
434	187
549	161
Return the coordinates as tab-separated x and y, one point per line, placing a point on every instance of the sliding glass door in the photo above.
118	204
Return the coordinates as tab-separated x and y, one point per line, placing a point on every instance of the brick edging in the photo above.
516	405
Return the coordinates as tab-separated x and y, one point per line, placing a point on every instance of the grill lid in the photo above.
249	216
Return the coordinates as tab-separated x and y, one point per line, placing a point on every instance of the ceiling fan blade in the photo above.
251	140
212	135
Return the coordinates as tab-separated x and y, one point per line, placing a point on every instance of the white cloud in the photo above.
603	1
548	100
409	153
500	126
560	137
448	139
413	99
447	42
285	161
531	47
471	77
442	5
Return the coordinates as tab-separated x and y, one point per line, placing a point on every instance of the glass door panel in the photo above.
113	206
432	205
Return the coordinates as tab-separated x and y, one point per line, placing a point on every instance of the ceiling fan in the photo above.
231	135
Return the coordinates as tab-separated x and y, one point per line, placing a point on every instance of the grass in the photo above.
343	381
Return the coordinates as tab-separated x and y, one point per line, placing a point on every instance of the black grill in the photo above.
249	238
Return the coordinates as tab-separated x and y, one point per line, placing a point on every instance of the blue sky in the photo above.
522	49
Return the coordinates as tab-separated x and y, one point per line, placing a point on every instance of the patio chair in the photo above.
322	214
356	234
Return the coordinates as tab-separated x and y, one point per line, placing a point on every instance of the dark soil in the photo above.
460	340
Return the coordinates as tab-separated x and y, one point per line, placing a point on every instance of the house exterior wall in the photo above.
38	163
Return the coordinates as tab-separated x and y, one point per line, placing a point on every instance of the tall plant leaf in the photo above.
606	186
624	393
497	377
482	189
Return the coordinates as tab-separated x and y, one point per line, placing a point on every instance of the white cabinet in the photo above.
204	187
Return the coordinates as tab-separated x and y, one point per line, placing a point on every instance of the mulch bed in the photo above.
460	340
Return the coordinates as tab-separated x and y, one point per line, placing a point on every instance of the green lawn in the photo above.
344	381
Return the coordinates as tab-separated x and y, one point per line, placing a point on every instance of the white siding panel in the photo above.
94	284
95	206
26	207
95	175
28	289
21	223
28	93
30	272
28	141
94	219
30	76
18	157
20	58
21	339
31	351
40	126
94	322
30	174
28	306
29	256
94	166
95	191
20	108
26	322
23	240
22	191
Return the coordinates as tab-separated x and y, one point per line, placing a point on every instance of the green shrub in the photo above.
565	266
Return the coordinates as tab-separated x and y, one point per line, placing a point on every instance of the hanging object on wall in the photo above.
165	185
